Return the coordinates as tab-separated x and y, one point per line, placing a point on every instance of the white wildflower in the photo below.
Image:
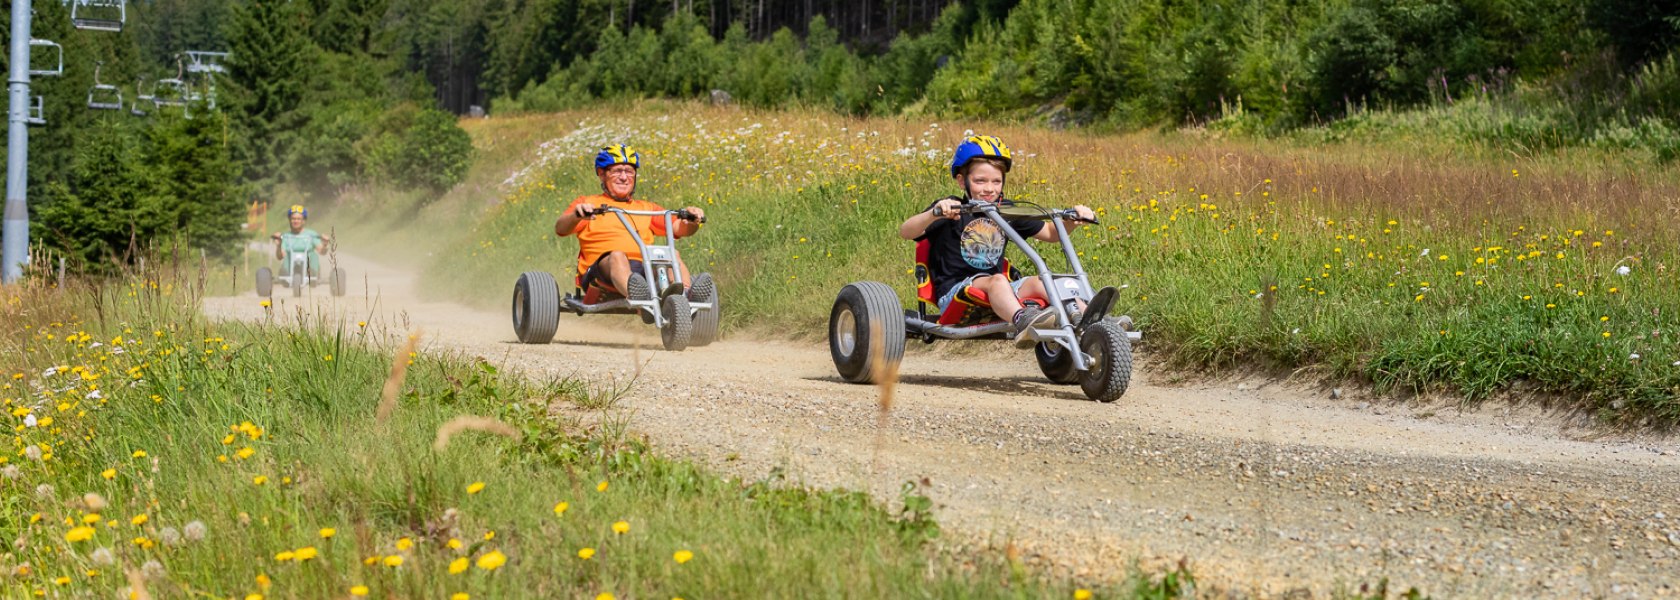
45	491
1623	270
12	472
29	420
170	536
33	452
1634	356
102	557
1424	253
153	570
94	502
195	531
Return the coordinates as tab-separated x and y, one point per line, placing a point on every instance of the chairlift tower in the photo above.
24	110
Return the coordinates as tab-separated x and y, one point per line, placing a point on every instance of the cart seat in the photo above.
970	306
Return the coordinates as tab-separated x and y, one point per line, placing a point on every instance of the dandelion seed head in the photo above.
102	557
195	531
153	570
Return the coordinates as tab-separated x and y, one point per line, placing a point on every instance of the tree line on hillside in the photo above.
324	94
1571	69
311	102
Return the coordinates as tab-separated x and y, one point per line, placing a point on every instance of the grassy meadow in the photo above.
157	455
1419	268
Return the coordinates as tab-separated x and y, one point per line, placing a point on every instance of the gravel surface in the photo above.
1267	488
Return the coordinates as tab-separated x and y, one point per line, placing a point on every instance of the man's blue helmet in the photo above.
980	146
618	154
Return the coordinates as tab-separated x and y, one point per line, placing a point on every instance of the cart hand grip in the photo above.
1072	215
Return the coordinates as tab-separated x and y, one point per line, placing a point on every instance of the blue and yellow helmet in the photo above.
297	209
618	154
980	146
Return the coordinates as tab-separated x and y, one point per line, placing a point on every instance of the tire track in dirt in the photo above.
1265	487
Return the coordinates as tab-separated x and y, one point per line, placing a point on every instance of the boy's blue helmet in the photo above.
980	146
618	154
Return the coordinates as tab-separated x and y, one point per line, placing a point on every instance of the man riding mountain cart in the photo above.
299	252
619	268
961	271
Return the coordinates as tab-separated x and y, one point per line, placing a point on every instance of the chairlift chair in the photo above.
140	95
175	91
200	61
57	49
99	15
103	96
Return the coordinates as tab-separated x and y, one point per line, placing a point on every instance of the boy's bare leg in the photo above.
1000	294
1034	287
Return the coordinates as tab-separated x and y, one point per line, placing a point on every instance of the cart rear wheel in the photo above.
707	319
536	307
265	282
866	331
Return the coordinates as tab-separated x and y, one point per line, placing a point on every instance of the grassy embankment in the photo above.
1429	268
157	455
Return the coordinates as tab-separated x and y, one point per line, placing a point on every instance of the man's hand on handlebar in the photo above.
585	211
692	213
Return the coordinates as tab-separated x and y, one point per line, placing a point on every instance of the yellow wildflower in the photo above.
683	556
328	532
360	590
586	553
79	534
458	566
560	509
490	562
475	487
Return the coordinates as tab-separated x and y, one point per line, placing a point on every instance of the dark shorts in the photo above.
596	277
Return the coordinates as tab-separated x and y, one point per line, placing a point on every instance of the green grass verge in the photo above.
1418	272
154	450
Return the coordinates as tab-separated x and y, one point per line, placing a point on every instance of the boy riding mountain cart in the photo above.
299	239
298	251
621	267
961	271
960	254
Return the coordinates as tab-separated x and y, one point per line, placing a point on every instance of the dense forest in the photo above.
317	95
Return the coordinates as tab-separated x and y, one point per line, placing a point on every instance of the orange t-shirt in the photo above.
607	234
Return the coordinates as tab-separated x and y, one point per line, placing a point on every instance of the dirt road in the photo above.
1268	488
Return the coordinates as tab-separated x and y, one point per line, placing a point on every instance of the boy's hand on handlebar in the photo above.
276	236
1084	213
947	209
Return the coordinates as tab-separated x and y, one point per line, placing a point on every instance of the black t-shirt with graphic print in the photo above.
959	249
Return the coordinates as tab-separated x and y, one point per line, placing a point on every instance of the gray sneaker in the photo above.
639	290
1030	318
